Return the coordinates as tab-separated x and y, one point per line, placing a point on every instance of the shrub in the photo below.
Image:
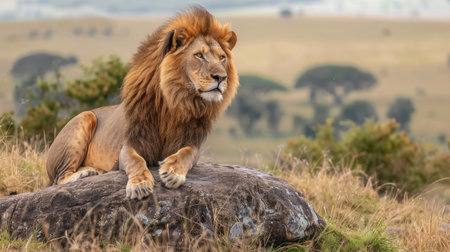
379	150
358	112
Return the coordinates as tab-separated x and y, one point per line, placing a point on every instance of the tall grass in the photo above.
359	217
22	168
351	204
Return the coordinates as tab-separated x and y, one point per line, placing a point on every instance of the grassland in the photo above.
411	61
359	217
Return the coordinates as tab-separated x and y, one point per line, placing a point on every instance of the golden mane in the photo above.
152	97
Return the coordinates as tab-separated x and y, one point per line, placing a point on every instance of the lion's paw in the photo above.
171	179
79	175
139	190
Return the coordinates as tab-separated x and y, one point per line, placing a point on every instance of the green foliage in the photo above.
31	244
333	238
378	150
100	84
358	112
57	102
401	110
324	145
337	81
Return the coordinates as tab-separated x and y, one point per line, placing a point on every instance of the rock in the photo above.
238	202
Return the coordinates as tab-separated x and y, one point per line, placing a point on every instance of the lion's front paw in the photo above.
172	172
138	188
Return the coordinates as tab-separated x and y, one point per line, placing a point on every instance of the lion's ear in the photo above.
175	39
232	40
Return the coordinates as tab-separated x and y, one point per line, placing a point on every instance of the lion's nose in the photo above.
218	78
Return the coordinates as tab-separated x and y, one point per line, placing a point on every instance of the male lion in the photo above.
181	78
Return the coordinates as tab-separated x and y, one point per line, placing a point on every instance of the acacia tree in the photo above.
28	69
337	81
248	107
358	112
401	110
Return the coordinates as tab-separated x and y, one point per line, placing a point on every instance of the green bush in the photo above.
57	102
379	150
100	84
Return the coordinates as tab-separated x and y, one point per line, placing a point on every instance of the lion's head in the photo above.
189	61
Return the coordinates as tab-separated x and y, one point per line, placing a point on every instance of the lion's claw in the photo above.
139	190
172	179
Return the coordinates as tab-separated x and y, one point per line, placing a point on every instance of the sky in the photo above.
38	9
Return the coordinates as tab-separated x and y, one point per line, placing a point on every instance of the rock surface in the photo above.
235	201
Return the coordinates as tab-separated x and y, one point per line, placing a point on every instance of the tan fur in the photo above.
180	80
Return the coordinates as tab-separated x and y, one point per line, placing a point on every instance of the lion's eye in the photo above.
199	55
222	57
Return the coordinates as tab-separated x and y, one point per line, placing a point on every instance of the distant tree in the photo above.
321	113
48	34
401	110
33	34
442	138
358	112
286	13
274	116
298	123
248	107
260	84
108	31
77	31
337	81
92	32
37	64
28	69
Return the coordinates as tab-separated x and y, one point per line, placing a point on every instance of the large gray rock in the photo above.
238	202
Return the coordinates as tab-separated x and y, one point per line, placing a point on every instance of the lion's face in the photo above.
205	67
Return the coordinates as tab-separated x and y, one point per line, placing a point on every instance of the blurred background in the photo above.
300	62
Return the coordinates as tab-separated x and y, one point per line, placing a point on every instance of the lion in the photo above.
180	80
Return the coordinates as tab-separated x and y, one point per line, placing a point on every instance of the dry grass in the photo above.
347	199
22	169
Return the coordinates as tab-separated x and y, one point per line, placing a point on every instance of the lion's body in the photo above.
180	80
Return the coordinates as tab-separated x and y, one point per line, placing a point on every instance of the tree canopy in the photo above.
401	110
335	80
358	112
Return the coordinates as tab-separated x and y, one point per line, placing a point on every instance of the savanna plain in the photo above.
409	58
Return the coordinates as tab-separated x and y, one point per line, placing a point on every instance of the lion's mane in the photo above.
157	111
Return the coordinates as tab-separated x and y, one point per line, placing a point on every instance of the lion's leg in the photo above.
140	180
174	168
69	148
82	172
